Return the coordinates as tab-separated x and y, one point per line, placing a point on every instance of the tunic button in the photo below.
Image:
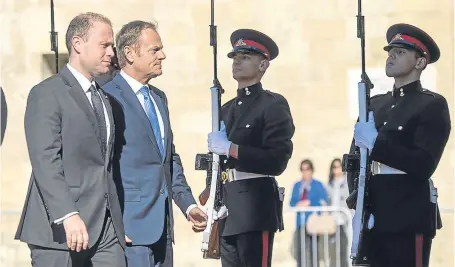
393	106
240	102
400	128
162	191
247	126
385	123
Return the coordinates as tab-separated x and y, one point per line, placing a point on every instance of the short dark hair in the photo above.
307	162
80	26
129	36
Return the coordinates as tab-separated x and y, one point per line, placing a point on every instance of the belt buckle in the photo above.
224	177
376	167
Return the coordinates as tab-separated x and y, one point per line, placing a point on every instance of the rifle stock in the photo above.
213	251
204	196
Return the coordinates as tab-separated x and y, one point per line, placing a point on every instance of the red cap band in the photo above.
413	40
254	44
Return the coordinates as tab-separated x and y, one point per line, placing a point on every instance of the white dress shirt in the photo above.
86	84
136	87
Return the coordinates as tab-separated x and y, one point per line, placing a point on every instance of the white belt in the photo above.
380	168
235	175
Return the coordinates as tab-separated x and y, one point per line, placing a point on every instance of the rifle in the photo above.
211	196
54	37
360	164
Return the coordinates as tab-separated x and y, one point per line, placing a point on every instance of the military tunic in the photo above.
413	128
260	123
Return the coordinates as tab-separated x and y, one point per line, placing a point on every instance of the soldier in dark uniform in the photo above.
406	135
257	143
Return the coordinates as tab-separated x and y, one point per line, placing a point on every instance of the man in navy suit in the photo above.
151	170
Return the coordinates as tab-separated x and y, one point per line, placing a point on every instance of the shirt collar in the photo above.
405	89
133	83
81	79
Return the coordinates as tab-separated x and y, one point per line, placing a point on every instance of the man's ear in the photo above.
264	65
76	43
129	53
421	63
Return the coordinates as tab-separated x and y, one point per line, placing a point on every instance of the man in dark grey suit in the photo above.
72	215
150	168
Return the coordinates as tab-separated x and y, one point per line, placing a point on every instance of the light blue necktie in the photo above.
153	118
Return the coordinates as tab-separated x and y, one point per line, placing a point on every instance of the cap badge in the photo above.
240	42
397	37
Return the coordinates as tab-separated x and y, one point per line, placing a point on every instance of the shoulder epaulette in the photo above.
428	92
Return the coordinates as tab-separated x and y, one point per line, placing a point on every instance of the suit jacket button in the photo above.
162	191
106	195
400	128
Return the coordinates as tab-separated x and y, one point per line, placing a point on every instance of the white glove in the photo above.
221	214
218	142
365	133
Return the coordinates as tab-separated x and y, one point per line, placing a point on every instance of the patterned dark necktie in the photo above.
101	120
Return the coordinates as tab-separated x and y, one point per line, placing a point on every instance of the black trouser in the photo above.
400	250
252	249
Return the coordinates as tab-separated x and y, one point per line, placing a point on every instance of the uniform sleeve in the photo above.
429	140
276	149
43	132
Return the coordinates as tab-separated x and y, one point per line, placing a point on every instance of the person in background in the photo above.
338	191
305	193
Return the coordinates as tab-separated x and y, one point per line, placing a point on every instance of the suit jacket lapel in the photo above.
164	117
80	98
131	99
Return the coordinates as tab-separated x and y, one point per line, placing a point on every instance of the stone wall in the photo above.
315	71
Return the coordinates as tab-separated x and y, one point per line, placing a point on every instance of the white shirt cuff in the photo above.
190	207
59	221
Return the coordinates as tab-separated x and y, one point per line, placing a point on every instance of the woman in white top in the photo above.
338	191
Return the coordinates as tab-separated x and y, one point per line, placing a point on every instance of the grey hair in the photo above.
80	26
129	36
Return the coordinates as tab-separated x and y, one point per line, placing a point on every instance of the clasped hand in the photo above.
365	133
218	142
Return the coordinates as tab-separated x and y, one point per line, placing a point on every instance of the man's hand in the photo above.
218	142
365	133
128	240
76	233
198	218
304	203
